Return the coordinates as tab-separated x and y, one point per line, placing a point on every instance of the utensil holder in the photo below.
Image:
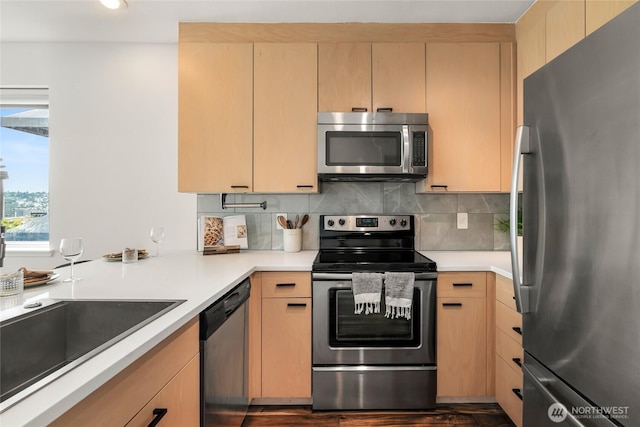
292	239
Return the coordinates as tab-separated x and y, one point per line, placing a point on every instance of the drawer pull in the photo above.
463	284
304	186
359	109
444	187
285	285
158	414
452	304
517	329
384	110
296	304
517	392
517	361
239	186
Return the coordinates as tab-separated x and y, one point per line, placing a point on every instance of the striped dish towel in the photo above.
367	292
398	294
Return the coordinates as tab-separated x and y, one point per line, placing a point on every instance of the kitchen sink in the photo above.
53	339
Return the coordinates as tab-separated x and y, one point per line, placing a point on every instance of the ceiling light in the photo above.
114	4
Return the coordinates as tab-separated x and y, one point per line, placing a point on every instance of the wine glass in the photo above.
71	250
157	236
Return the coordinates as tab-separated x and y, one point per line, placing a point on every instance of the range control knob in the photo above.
341	221
403	223
330	223
392	221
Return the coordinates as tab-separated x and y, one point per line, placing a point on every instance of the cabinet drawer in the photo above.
464	284
509	321
286	284
509	349
180	398
504	291
508	380
122	397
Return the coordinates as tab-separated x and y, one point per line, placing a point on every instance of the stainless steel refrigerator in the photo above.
580	293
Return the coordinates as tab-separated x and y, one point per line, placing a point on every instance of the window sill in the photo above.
28	249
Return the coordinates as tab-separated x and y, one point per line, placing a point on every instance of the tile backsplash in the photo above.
435	214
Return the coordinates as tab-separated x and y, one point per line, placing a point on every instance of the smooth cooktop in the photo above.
372	260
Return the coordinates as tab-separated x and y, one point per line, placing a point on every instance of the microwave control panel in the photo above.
419	147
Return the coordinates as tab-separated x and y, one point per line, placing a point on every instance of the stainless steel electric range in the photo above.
371	361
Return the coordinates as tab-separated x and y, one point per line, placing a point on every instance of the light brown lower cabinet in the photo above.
180	399
509	352
167	377
464	338
280	336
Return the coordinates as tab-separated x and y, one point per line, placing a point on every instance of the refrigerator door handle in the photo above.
522	147
540	383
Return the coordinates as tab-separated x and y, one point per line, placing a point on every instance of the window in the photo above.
24	177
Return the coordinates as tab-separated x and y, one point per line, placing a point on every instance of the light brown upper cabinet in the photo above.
463	90
565	27
285	117
344	76
530	33
600	12
215	115
398	76
372	76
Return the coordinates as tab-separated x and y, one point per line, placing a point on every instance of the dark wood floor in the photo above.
478	415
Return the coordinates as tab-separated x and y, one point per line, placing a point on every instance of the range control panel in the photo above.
367	222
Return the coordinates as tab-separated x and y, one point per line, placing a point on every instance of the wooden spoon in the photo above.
295	222
305	218
282	222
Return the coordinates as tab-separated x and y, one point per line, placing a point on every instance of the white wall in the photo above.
113	143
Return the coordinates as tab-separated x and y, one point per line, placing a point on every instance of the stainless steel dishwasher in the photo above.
224	388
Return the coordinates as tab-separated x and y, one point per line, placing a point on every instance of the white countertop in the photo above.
186	275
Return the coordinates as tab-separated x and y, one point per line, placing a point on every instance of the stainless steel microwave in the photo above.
380	146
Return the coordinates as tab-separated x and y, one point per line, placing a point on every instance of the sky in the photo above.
25	157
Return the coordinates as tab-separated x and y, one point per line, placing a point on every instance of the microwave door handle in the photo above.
406	148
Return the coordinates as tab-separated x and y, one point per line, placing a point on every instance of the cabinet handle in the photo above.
296	304
384	110
463	284
517	361
304	186
434	186
517	329
452	304
517	392
359	109
239	186
285	285
158	414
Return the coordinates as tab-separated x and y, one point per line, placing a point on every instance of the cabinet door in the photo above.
180	397
286	347
285	117
215	115
565	27
600	12
344	76
462	347
463	102
530	34
398	77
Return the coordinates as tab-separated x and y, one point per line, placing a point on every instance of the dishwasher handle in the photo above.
213	317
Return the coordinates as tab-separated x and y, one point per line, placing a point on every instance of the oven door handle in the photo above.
349	276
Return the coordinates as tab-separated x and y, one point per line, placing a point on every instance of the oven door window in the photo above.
357	148
371	330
